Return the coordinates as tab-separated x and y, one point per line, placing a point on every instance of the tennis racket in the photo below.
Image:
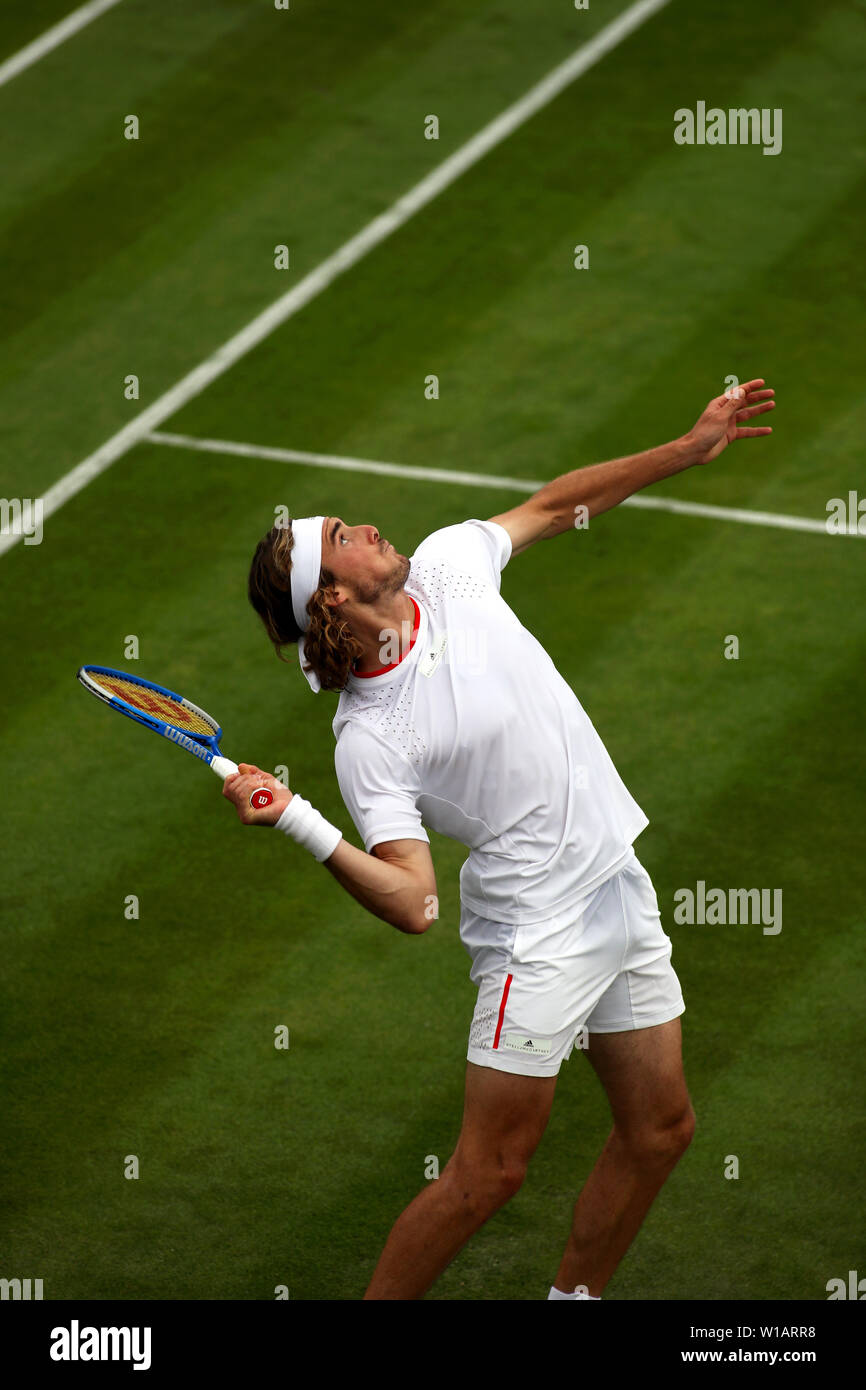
169	714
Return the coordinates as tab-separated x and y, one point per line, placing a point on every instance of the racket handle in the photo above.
224	767
259	798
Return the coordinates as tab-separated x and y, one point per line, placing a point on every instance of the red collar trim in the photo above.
366	675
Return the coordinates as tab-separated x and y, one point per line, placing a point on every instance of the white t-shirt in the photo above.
475	734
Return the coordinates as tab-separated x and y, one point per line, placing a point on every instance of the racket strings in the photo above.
154	703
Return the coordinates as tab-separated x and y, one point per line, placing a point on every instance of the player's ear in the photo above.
333	593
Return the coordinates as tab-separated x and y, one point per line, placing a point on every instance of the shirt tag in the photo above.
518	1043
431	658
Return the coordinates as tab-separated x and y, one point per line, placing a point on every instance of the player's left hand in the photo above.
723	421
238	787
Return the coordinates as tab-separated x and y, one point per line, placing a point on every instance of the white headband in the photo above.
306	569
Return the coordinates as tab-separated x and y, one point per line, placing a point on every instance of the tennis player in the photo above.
452	715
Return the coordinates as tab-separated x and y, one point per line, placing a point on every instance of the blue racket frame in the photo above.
203	746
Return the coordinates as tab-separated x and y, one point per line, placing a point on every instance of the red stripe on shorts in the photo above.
502	1011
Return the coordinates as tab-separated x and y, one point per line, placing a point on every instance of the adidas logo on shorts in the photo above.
518	1043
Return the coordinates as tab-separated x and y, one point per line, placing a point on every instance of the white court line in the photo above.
52	38
346	256
445	475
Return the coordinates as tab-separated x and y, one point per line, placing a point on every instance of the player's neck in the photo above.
386	633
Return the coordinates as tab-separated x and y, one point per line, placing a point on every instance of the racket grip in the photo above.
224	767
259	798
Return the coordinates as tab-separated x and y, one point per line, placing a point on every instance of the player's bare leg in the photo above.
504	1118
642	1074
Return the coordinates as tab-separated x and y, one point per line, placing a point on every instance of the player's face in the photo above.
362	560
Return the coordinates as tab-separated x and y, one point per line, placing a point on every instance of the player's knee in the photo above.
487	1184
684	1129
664	1141
512	1171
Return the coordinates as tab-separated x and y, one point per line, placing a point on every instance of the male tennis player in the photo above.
452	715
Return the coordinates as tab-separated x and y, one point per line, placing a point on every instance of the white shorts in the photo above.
605	967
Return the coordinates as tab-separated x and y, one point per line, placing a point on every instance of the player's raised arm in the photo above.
396	882
551	511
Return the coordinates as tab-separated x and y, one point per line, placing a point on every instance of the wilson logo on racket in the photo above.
189	744
147	702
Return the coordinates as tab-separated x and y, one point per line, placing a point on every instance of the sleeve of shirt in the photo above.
379	787
480	548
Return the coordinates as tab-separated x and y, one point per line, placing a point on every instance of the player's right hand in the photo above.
724	419
240	785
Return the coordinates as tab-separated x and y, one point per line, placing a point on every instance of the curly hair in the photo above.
329	647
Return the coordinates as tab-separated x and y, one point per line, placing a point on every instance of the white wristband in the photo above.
303	824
